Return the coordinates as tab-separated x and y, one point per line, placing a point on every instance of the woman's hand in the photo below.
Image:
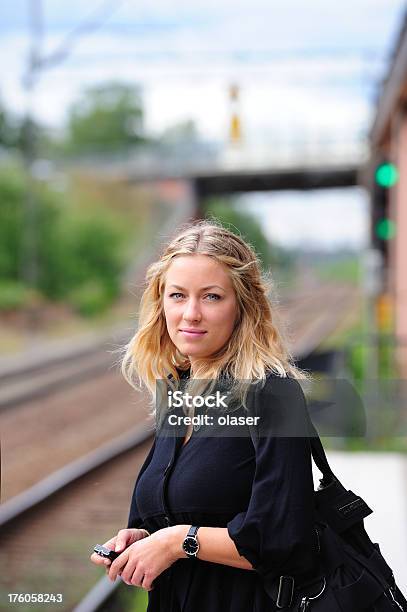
146	559
122	540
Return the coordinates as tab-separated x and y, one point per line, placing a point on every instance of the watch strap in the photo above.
193	530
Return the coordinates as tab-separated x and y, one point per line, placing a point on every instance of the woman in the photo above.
216	520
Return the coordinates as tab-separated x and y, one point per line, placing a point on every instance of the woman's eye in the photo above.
213	297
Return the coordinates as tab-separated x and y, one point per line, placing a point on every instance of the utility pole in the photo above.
372	281
29	240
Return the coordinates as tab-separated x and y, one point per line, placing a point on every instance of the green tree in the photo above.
183	131
81	253
107	118
10	129
12	191
23	133
250	229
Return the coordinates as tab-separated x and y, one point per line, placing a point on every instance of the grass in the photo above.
129	599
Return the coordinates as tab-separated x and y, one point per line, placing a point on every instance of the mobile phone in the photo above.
106	552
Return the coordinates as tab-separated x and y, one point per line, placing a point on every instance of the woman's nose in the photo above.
192	311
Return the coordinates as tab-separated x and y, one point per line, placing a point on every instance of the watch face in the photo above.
190	545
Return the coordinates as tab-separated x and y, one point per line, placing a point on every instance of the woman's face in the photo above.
200	305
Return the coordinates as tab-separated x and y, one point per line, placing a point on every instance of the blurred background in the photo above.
121	120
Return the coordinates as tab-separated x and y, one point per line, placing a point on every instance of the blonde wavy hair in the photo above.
256	346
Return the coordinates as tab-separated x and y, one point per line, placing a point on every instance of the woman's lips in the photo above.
193	333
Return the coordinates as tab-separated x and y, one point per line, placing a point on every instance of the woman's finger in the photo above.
147	584
111	543
127	572
136	578
97	559
118	565
123	539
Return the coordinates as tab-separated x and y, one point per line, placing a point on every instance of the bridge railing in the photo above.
193	159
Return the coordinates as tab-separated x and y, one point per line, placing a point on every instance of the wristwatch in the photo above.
191	545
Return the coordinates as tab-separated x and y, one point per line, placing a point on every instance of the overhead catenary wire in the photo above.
93	22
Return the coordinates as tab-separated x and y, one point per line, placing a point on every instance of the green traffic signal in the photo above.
387	175
385	229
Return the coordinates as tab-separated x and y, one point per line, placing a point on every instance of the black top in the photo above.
261	491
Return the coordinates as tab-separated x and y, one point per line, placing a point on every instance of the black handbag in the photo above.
351	575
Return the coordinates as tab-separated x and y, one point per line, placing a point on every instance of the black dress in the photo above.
260	490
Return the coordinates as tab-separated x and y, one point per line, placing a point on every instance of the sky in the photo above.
312	64
328	219
306	70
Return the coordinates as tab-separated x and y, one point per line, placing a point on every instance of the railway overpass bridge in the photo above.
198	171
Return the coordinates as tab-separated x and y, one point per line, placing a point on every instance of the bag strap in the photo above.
317	450
317	453
319	456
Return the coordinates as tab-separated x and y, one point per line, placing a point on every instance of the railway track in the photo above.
46	545
81	494
324	313
38	375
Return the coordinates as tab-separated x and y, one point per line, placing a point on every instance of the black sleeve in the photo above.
276	532
134	520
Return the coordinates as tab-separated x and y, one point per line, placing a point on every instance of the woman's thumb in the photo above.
120	543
